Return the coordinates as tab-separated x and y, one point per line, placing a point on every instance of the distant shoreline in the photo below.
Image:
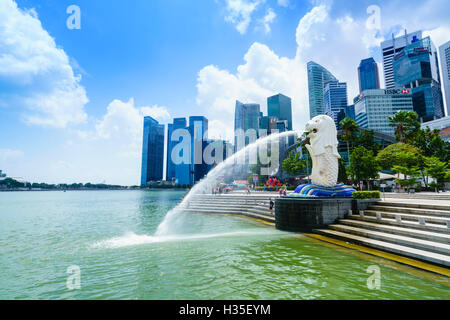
71	190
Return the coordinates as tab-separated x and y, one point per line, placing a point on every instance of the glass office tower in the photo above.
335	99
416	68
280	106
246	117
368	75
317	76
444	52
152	151
178	123
198	129
390	48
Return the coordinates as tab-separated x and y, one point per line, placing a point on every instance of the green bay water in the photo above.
109	236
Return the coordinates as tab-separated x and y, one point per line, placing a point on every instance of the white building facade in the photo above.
374	107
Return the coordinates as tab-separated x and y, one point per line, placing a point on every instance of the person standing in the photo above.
271	204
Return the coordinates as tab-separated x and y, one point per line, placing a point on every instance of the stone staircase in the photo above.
420	231
421	195
256	207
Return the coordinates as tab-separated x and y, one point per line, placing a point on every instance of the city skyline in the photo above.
110	90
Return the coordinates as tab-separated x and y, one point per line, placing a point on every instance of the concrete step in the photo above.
231	208
227	205
432	257
408	216
403	230
417	196
250	202
411	242
410	209
259	211
404	223
232	212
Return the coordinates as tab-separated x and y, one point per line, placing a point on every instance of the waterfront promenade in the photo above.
408	228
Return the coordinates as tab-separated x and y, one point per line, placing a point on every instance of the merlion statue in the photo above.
323	150
322	147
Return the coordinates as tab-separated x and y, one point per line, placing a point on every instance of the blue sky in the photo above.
71	101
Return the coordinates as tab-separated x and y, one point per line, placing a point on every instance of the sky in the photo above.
72	100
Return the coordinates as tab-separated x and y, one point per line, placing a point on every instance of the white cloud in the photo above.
268	19
114	147
283	3
439	35
338	41
124	119
36	73
240	13
10	154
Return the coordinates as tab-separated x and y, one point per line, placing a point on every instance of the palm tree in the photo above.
406	124
349	132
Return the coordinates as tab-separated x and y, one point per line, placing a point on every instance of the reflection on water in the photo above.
110	235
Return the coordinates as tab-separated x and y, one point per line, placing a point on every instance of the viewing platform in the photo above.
254	205
410	227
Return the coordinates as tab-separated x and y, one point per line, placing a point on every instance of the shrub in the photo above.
367	195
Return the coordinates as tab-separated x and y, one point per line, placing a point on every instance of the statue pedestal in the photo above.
312	190
303	214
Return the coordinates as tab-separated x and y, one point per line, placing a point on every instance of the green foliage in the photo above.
400	154
431	144
11	183
294	164
342	175
366	139
436	169
367	195
406	125
363	165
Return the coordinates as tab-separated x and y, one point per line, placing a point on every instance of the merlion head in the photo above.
322	133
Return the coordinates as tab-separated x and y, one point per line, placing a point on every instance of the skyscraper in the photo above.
246	117
416	68
152	151
390	48
317	76
198	129
444	52
280	106
335	99
178	123
368	75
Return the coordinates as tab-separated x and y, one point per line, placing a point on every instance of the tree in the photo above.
363	165
409	173
11	183
406	125
431	144
367	140
395	155
349	132
436	169
294	164
342	174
